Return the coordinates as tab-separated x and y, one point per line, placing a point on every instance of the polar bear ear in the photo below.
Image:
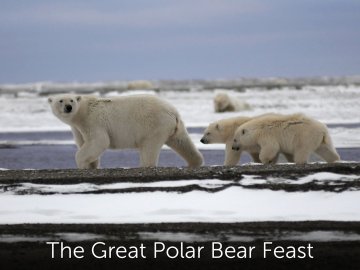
243	131
78	98
50	99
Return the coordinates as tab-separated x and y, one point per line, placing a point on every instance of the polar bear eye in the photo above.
208	133
71	101
61	101
243	132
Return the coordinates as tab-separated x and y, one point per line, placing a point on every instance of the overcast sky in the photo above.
87	40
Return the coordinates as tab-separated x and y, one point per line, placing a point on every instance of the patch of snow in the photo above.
85	187
234	204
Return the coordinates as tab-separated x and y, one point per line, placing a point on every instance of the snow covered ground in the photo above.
235	203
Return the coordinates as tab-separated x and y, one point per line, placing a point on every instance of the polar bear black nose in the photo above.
204	141
68	108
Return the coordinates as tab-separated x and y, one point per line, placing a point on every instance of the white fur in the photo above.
141	84
223	131
294	135
144	122
224	103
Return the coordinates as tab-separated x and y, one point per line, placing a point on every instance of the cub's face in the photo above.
65	106
213	134
243	139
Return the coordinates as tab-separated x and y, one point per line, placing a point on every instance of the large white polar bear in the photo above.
296	135
145	122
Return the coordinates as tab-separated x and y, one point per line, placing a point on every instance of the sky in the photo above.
111	40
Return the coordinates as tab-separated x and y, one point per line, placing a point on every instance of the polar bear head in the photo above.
65	106
221	102
213	134
244	138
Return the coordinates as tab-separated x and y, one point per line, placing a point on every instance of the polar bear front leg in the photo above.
269	153
77	137
232	157
87	157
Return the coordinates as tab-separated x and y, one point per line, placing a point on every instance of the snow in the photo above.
313	236
234	204
246	180
319	177
68	237
318	236
231	205
86	187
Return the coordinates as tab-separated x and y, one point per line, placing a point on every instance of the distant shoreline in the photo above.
238	84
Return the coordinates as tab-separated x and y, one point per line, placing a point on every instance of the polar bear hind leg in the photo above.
327	151
181	143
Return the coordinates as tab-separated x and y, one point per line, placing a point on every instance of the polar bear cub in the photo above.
223	131
295	134
224	103
145	122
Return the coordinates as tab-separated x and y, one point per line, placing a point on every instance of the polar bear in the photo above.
144	122
224	103
140	84
223	131
295	134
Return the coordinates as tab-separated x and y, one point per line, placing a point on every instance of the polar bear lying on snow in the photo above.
224	103
296	135
144	122
223	131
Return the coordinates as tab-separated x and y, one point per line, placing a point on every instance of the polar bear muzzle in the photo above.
67	108
236	145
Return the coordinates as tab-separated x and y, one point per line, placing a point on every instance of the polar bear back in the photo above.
289	131
127	120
